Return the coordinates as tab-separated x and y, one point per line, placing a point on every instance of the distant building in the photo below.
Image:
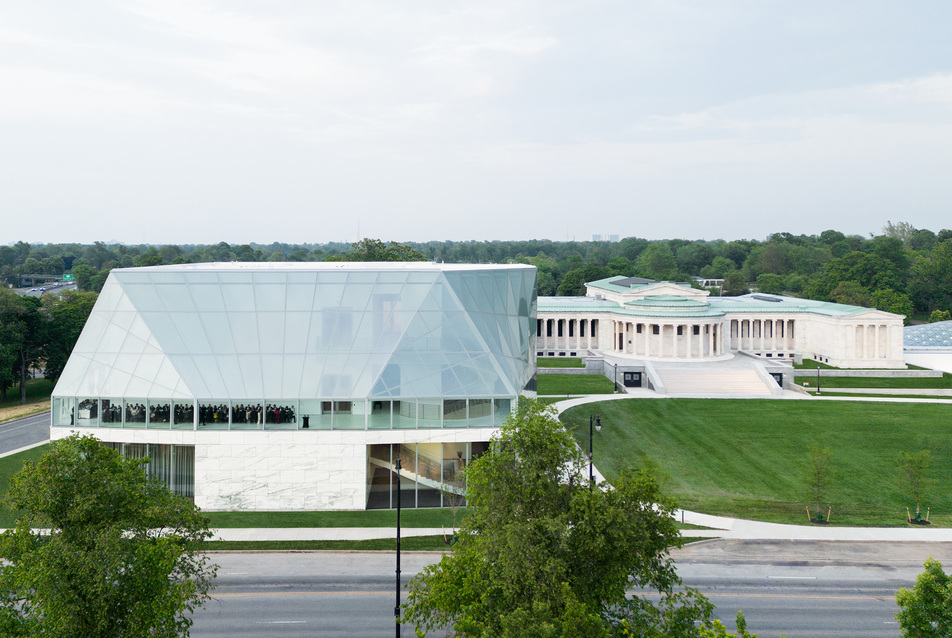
657	320
611	238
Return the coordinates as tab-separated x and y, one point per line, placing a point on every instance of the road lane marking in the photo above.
791	577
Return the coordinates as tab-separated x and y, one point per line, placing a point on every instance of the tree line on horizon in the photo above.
904	270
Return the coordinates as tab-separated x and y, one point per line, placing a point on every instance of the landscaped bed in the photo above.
745	458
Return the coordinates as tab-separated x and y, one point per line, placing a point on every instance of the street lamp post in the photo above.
596	422
818	378
396	609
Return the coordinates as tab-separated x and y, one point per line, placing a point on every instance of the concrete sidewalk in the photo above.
719	527
755	530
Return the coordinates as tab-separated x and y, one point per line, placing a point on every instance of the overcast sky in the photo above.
165	121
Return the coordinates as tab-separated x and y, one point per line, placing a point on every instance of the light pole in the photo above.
818	378
616	378
595	421
396	609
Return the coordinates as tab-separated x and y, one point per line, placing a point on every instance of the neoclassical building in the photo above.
642	319
283	386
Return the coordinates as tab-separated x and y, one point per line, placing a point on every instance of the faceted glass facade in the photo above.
301	346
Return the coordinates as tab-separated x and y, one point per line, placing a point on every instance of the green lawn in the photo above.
559	362
879	395
37	400
810	364
36	390
930	383
407	544
10	465
430	517
744	458
574	384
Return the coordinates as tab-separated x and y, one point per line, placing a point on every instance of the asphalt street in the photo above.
21	433
797	589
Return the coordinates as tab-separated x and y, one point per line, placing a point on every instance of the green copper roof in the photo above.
620	283
780	304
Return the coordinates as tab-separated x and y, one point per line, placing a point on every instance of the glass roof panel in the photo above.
240	331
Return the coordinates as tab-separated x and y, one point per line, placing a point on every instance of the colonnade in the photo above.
668	339
763	335
566	333
869	341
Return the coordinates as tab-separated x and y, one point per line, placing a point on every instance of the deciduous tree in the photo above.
541	554
914	475
818	475
65	315
925	611
122	558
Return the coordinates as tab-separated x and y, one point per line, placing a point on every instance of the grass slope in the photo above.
745	458
430	517
573	384
407	544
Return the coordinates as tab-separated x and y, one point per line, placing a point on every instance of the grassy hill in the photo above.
745	458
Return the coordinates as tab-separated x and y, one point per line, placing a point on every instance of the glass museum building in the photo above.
296	386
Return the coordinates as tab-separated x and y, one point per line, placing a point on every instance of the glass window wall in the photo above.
247	415
280	416
431	475
135	413
212	415
503	410
110	413
87	413
254	414
480	413
174	465
379	418
348	415
430	412
313	415
404	414
160	415
183	416
64	411
454	413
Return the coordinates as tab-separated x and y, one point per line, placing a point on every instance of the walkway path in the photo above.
721	527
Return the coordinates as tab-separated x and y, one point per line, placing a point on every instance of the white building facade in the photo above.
644	319
295	386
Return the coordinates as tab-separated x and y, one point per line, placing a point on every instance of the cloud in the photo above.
925	90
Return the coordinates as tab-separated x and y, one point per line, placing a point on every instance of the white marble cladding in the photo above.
269	470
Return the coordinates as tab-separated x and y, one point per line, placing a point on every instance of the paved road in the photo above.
21	433
802	590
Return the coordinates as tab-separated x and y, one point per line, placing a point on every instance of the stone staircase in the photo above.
715	381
